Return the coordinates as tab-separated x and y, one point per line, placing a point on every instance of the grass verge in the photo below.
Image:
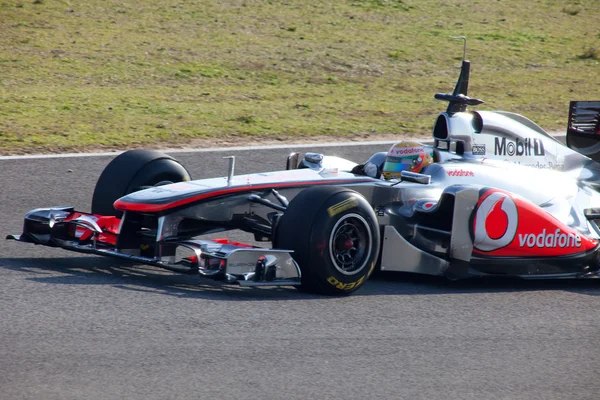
76	76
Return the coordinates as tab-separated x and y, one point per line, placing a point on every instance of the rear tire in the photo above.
131	171
334	234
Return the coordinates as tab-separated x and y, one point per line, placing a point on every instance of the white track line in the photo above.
206	150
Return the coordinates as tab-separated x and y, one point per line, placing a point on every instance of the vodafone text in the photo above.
550	240
400	151
460	172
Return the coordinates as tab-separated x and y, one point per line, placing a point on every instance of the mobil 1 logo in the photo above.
527	147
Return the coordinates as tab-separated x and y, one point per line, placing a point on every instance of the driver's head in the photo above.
406	156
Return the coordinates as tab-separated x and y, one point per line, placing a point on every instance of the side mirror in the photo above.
292	161
415	177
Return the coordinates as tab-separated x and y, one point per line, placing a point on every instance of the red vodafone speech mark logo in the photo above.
496	222
511	226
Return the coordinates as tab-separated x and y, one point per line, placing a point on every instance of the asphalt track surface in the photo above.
85	327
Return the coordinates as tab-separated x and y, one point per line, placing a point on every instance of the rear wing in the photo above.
583	130
584	117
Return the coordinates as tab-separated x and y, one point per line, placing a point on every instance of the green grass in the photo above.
77	75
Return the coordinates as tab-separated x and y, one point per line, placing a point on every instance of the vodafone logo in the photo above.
558	238
404	151
460	172
511	226
496	222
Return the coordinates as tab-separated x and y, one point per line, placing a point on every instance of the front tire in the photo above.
334	234
131	171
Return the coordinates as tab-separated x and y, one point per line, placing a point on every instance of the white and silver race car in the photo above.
503	197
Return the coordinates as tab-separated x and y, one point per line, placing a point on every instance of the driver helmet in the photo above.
406	156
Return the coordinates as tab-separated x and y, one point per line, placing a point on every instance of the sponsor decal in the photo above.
405	151
549	240
460	172
496	222
478	149
379	211
541	165
345	286
527	147
342	206
333	281
509	226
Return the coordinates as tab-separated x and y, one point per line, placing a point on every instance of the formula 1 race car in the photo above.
501	197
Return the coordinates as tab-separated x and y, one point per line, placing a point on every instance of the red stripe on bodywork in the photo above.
152	208
227	241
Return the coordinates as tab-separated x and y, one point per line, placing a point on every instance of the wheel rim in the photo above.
350	244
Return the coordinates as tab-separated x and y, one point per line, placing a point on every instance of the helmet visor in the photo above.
398	164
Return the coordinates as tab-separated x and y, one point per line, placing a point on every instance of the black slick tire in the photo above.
334	234
131	171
